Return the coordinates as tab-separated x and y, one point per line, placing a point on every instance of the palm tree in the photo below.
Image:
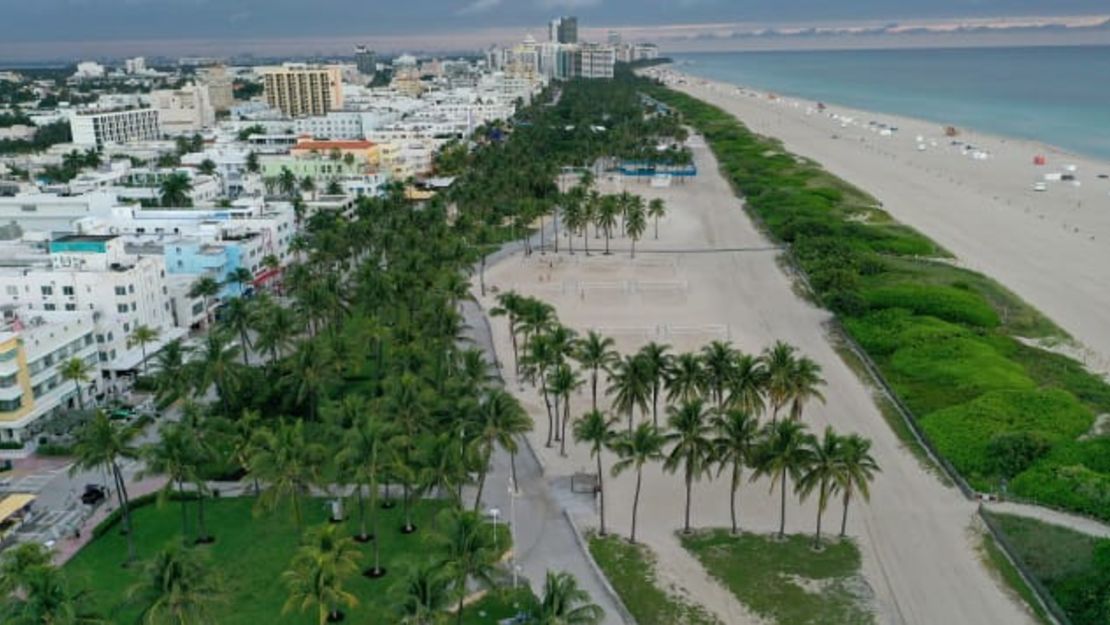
857	468
423	596
779	362
820	474
207	167
17	564
321	566
276	326
308	185
805	379
287	182
596	353
656	209
734	446
468	551
541	357
685	378
606	218
597	430
170	380
748	385
564	381
216	366
177	588
635	222
564	603
288	463
46	598
719	364
77	371
657	363
141	335
205	287
630	385
634	450
101	444
175	190
691	435
172	455
500	420
784	455
238	317
311	367
362	456
240	277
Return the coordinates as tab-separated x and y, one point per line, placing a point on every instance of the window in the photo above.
134	307
67	290
127	327
99	338
71	306
11	289
121	290
130	288
49	307
10	405
121	308
47	290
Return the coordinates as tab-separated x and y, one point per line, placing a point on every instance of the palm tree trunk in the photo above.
636	503
600	489
782	507
586	238
689	488
555	219
844	518
184	513
121	496
820	509
630	408
408	509
243	340
542	235
607	241
80	399
655	404
657	228
142	347
462	595
732	496
481	482
558	396
482	275
633	248
547	404
202	529
566	417
593	387
361	515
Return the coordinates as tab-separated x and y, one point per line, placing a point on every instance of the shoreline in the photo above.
980	205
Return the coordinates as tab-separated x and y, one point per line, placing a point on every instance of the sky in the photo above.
102	26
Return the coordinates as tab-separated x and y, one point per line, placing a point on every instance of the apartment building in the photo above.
95	129
183	111
297	89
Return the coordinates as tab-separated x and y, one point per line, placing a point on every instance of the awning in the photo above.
13	504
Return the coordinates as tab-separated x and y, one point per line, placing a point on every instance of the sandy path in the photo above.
918	546
1052	248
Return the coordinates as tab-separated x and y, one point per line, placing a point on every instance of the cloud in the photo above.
478	6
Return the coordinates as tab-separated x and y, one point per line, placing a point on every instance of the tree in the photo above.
287	182
176	189
45	598
630	385
685	378
596	430
784	455
173	456
805	379
308	185
361	457
564	603
423	596
820	474
288	463
733	449
240	277
656	364
564	381
205	287
634	450
207	167
141	335
177	587
748	386
719	367
500	420
101	444
315	578
77	371
170	379
215	365
468	551
311	367
635	223
692	451
606	218
334	187
779	362
238	317
656	209
17	563
252	162
856	470
596	353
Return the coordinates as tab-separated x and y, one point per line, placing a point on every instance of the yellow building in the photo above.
300	90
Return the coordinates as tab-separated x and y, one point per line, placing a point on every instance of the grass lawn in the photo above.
252	551
787	582
631	571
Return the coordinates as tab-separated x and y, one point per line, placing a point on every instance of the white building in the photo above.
96	129
187	110
89	69
597	61
136	65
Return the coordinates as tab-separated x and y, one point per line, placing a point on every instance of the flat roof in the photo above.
84	238
14	503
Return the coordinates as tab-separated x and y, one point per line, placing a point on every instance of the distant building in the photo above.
136	65
614	38
366	61
220	88
89	69
596	61
564	30
183	111
99	128
298	89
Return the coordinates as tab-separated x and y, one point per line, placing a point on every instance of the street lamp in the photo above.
495	513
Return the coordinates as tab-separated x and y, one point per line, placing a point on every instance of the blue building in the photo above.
216	260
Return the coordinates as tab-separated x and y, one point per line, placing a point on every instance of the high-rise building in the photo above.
366	61
94	129
183	111
614	38
136	65
297	89
221	89
596	61
563	30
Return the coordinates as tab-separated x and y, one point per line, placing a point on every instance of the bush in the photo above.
1011	453
943	302
53	450
11	444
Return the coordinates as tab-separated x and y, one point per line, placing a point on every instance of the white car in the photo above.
1040	186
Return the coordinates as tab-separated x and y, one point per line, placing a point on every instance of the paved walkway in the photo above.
1081	524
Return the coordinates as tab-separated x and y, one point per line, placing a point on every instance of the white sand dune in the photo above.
1050	247
918	537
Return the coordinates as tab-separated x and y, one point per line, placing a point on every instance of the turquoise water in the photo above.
1057	95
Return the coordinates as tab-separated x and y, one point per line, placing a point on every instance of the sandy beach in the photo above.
1051	247
711	275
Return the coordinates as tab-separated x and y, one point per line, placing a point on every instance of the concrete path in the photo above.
1081	524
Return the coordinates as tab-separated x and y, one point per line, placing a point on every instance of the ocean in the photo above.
1056	95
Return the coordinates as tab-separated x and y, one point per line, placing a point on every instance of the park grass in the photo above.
787	582
250	554
1075	567
996	561
631	571
949	341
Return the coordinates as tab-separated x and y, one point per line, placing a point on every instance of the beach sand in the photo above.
711	276
1052	247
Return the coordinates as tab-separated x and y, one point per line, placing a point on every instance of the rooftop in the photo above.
325	146
85	238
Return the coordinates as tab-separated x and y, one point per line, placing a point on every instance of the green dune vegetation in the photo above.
949	341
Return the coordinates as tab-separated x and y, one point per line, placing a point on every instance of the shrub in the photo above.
53	450
11	444
1073	487
1011	453
939	301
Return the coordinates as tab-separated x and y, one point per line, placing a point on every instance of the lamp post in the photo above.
512	528
495	513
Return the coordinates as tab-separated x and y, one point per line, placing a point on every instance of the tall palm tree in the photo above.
77	371
564	603
17	564
205	287
606	218
784	455
238	317
289	463
276	327
719	364
170	379
596	353
176	189
101	444
857	468
692	451
657	363
177	587
779	362
734	449
308	185
820	475
46	598
630	386
141	336
216	366
805	380
748	386
423	596
500	420
635	222
634	450
468	551
597	430
323	563
240	277
656	209
540	359
287	182
311	367
564	381
362	456
172	455
685	378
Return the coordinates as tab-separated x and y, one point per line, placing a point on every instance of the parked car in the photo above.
94	494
